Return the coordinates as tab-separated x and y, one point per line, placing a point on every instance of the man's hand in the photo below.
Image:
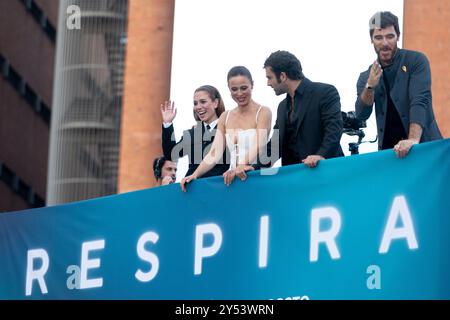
168	111
167	180
186	180
312	160
403	146
374	75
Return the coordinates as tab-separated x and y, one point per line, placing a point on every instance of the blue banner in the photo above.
362	227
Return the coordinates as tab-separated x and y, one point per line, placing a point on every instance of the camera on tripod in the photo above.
351	122
352	126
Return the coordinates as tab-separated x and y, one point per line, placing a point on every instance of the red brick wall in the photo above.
427	29
147	84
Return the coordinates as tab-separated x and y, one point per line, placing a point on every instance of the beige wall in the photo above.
147	84
427	29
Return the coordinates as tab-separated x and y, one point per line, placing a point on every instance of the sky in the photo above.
330	38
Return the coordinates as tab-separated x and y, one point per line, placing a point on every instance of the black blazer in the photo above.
195	143
319	125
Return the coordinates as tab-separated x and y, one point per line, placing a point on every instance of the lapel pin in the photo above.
404	69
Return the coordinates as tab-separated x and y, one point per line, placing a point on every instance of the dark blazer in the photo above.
411	95
319	125
195	143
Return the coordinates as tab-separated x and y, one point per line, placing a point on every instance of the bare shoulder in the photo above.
266	110
221	122
223	115
264	118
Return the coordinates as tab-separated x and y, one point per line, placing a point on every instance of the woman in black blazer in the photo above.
196	142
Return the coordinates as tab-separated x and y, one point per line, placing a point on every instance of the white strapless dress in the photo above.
239	143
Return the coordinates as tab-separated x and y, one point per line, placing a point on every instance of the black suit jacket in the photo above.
319	125
195	143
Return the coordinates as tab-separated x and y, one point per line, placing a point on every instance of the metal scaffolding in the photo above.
87	101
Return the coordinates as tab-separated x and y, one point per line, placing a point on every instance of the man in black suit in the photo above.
309	121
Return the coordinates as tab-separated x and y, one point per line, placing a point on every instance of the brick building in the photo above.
27	52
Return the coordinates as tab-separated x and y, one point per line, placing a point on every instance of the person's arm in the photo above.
212	158
331	119
332	123
168	113
367	95
419	92
402	148
168	143
365	89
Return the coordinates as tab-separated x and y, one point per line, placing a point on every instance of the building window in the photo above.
40	17
24	90
20	187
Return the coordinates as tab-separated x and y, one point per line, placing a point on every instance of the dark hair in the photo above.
213	94
383	19
284	61
240	71
158	163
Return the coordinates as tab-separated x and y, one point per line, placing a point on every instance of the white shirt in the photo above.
212	125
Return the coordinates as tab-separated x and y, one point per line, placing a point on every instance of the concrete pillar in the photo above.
427	29
147	84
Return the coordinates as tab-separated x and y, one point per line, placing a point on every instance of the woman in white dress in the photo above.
244	130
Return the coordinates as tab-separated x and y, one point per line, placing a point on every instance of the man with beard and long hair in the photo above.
399	83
